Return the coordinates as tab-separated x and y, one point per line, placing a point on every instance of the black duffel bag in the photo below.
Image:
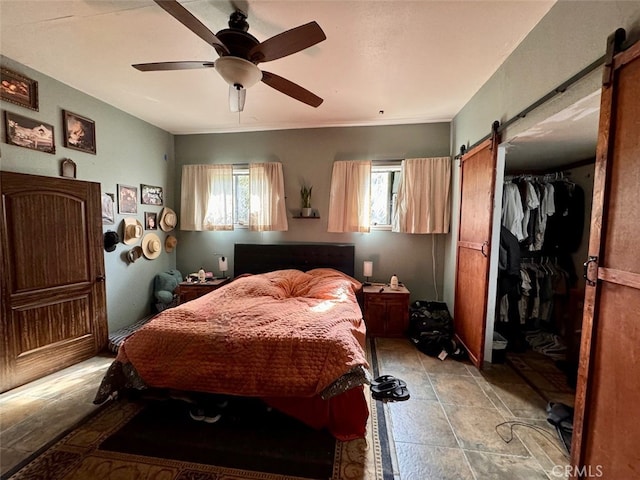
431	328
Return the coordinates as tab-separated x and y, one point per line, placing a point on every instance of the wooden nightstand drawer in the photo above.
386	313
192	290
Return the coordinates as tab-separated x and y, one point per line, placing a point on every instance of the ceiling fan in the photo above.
240	53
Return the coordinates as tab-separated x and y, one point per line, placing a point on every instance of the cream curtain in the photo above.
423	204
266	198
206	197
350	197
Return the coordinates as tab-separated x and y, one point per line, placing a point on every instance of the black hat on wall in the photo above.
111	240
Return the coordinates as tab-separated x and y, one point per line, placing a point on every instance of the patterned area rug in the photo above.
79	455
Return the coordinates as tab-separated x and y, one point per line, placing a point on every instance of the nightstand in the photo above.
386	313
192	290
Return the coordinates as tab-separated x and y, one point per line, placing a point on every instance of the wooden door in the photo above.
53	294
607	418
474	245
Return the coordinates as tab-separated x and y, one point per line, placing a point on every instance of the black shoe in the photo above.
202	415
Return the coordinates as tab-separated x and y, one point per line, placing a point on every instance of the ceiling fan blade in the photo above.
288	42
161	66
289	88
237	97
177	11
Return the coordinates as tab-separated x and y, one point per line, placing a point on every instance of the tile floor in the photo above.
36	413
445	431
449	430
543	374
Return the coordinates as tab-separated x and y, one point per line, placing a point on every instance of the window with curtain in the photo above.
267	210
206	197
350	197
214	197
423	203
385	180
411	198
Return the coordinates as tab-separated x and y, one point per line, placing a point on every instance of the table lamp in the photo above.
223	266
367	271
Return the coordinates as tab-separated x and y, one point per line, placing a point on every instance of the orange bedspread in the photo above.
280	334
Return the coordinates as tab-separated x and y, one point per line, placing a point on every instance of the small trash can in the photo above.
499	349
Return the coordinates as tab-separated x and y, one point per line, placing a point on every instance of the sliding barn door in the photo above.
474	244
607	425
53	295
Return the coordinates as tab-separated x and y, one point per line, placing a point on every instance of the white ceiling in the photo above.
383	63
567	137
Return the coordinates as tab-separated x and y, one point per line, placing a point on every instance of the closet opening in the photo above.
545	191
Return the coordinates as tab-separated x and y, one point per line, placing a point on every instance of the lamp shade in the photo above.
238	71
222	264
367	268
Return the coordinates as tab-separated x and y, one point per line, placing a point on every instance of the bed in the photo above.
287	329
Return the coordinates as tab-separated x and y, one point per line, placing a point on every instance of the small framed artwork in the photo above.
18	89
127	199
108	210
68	168
150	221
79	132
29	133
150	195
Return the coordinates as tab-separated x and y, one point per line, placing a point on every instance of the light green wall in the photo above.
308	155
569	38
129	151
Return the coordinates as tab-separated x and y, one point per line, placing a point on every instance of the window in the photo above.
219	196
241	196
384	193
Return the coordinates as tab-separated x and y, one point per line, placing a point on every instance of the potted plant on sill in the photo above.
305	196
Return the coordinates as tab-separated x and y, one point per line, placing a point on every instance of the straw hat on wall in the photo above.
170	243
168	219
151	246
132	230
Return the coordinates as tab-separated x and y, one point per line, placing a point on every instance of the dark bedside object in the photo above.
386	311
192	290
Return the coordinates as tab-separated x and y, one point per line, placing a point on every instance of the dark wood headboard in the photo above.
261	258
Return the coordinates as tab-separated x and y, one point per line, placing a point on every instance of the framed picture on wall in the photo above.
68	168
150	221
127	199
18	89
108	210
150	195
29	133
79	132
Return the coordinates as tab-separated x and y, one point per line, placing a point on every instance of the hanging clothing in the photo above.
530	208
565	227
512	213
509	260
547	209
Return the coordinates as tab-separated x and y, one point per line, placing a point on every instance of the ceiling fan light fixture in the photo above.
238	71
237	96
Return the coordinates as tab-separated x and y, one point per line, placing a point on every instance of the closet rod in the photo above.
566	169
526	175
559	89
